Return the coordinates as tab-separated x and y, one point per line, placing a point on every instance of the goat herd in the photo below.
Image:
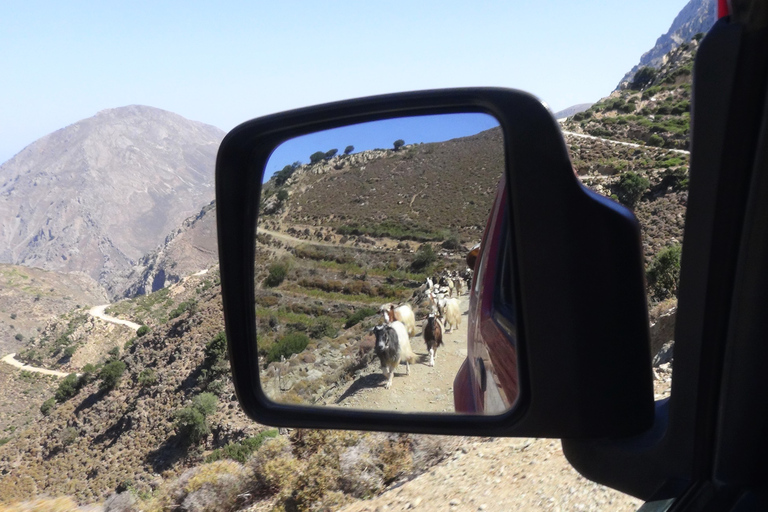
393	344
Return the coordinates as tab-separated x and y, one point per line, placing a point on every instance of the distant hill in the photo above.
573	109
97	195
696	17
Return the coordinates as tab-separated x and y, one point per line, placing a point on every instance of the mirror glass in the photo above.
361	225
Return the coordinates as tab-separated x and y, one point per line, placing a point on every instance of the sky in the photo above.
223	63
379	135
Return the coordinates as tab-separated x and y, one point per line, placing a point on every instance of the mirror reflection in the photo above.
362	281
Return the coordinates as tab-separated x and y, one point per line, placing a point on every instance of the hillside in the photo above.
696	17
653	110
422	192
30	297
96	196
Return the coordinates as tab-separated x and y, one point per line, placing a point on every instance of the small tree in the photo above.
425	256
316	157
282	195
663	273
19	337
141	331
330	153
147	378
291	343
191	420
47	406
631	188
398	144
349	149
67	388
110	375
643	78
277	273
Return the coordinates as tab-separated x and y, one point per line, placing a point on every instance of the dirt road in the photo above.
426	389
11	360
98	312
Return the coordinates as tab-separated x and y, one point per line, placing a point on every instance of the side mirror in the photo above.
556	334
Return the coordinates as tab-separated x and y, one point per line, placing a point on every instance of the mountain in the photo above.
188	249
573	109
99	194
696	17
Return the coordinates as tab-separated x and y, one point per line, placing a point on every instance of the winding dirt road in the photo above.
98	312
11	360
630	144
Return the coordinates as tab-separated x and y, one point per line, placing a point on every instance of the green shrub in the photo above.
282	195
277	273
643	78
114	353
398	144
655	140
631	188
141	331
322	326
128	344
47	406
291	343
68	436
330	153
216	349
356	317
147	378
19	337
68	387
110	375
190	421
316	157
240	451
70	350
663	273
424	257
349	149
187	305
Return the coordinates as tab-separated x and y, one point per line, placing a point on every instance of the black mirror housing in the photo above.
582	334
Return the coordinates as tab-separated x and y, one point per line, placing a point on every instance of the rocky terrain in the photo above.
96	196
696	17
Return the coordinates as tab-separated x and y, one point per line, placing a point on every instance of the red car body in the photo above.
487	382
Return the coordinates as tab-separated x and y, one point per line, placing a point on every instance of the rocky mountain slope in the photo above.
696	17
30	297
96	196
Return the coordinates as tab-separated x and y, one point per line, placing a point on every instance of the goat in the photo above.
403	314
393	347
433	336
456	282
446	283
449	311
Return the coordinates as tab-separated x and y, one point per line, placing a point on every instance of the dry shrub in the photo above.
208	487
273	466
396	457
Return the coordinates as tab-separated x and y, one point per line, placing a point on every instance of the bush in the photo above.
114	353
358	316
398	144
68	436
216	349
349	149
70	351
655	140
631	188
277	273
643	78
282	195
68	388
425	256
291	343
191	420
147	377
316	157
663	273
187	305
47	406
19	337
240	451
323	326
330	153
110	375
141	331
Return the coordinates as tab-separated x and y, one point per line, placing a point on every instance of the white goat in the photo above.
403	314
393	347
449	311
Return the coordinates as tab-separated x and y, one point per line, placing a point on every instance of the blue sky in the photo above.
379	134
225	62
